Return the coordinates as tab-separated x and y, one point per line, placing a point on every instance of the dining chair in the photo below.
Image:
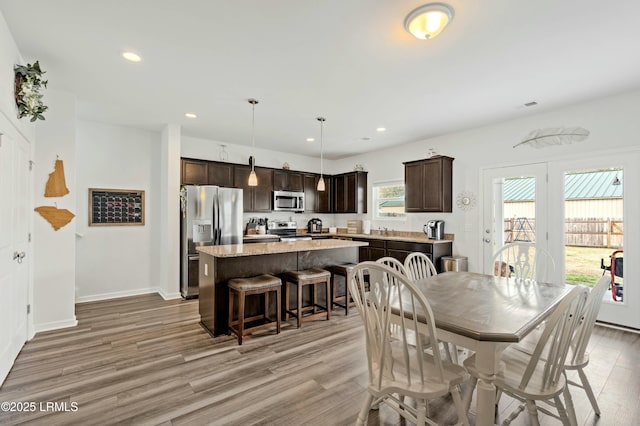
418	266
538	376
578	357
397	368
394	264
523	261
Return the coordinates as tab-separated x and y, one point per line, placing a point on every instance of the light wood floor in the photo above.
142	360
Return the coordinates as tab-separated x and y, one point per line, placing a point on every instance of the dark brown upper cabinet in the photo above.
350	192
316	201
194	172
427	185
255	198
284	180
220	174
202	172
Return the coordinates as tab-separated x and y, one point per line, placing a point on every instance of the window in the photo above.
388	200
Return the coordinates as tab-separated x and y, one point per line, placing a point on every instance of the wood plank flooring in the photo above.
145	361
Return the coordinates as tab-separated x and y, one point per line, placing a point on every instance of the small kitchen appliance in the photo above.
314	225
288	201
434	229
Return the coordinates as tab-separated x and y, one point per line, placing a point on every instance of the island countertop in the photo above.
239	250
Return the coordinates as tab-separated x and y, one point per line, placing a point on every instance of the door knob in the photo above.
487	240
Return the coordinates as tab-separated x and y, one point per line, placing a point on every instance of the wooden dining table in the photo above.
486	314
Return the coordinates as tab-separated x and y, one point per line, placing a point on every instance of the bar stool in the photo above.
344	270
313	277
243	287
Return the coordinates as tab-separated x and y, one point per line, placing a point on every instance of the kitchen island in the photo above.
218	264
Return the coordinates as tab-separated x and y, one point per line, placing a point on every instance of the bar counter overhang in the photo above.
218	264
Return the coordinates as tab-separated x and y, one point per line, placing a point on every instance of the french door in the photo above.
14	258
616	228
515	208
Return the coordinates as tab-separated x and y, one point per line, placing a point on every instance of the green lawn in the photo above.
583	264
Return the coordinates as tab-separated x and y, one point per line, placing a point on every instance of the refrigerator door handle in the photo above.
217	230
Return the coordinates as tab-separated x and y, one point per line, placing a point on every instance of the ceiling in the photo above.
349	61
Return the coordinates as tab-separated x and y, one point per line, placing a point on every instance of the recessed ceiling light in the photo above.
310	139
130	56
381	129
190	115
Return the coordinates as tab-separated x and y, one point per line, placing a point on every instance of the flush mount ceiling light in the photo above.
311	139
130	56
381	129
190	115
253	179
427	21
321	186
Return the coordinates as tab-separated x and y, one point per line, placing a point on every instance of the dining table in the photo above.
486	314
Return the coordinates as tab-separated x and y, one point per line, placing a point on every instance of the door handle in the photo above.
487	240
19	256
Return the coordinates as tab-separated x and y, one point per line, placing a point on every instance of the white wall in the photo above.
116	261
613	122
55	251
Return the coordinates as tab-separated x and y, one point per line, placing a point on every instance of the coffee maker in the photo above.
314	225
434	229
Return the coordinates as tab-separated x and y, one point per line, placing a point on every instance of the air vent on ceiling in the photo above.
530	104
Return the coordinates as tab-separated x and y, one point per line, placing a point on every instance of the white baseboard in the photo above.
55	325
117	294
169	296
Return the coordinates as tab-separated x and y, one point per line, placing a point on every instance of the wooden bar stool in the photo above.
243	287
344	301
313	277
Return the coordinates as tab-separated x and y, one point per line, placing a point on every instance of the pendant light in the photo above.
321	186
253	179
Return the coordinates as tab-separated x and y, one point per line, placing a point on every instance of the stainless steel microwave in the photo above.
288	201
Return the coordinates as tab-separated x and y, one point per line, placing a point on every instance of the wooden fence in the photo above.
583	232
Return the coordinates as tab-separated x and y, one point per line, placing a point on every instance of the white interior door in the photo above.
515	208
14	241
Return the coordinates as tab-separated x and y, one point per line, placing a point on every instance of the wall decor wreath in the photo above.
28	85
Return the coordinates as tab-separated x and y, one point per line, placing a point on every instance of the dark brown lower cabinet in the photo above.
401	249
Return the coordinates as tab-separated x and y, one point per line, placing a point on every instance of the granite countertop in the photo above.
411	237
255	249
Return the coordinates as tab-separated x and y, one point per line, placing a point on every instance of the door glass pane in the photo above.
594	228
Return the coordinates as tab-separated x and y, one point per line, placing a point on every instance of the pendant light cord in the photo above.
253	131
321	120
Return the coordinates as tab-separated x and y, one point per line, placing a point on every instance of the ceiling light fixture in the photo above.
190	115
130	56
427	21
253	179
381	129
321	186
311	139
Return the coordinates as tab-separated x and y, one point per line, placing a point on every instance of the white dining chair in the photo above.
397	368
578	357
538	376
523	261
418	266
393	263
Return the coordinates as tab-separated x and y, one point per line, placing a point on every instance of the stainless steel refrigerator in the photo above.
210	215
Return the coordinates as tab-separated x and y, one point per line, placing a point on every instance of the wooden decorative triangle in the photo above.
55	216
56	185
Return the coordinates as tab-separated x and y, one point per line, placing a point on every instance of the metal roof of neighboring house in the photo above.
586	185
